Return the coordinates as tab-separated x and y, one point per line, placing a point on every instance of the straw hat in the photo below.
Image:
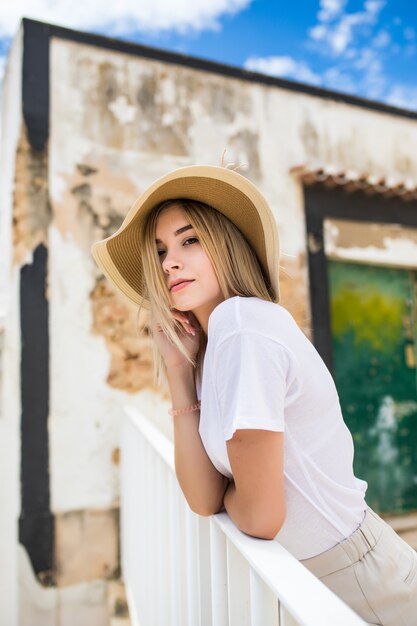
119	256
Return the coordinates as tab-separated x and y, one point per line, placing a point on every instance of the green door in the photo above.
374	337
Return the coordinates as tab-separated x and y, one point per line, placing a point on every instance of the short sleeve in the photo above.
252	374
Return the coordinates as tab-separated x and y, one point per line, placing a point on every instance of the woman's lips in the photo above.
181	285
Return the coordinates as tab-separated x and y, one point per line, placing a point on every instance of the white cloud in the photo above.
329	9
318	32
121	17
283	66
382	39
374	6
340	34
335	78
360	48
365	58
403	96
354	39
373	80
363	75
340	37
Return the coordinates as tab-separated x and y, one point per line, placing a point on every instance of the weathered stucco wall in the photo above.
117	123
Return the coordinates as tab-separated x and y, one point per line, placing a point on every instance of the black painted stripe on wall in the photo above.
36	524
35	82
321	203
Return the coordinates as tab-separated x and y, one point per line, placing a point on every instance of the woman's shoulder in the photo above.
249	314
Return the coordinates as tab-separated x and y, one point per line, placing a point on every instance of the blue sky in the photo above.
363	47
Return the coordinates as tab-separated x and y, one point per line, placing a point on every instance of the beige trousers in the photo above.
374	571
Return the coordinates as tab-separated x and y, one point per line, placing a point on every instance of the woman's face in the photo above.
183	257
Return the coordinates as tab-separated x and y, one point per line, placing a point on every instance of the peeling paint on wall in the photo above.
310	138
383	244
114	318
293	291
245	145
86	546
93	204
93	213
31	209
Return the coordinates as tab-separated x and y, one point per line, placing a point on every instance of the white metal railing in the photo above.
181	569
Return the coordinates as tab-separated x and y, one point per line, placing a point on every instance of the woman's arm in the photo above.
203	486
255	501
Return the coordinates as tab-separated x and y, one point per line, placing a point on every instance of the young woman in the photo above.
258	428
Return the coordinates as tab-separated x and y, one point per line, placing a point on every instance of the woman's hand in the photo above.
189	334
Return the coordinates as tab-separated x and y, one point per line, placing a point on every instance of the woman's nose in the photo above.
171	264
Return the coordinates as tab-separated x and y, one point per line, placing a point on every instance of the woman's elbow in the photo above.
272	532
204	508
267	533
270	527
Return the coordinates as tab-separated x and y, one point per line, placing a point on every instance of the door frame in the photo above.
320	203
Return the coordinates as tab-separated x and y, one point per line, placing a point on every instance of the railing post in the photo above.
264	603
218	574
286	619
192	569
204	568
239	587
172	552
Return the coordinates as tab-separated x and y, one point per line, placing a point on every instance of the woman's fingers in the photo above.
183	319
186	324
189	325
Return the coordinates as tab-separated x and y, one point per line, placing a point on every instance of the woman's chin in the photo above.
180	306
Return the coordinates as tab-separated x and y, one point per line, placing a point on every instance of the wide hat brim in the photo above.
120	256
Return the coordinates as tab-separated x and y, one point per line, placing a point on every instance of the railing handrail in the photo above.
275	566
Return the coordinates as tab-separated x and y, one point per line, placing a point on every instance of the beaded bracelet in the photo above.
187	409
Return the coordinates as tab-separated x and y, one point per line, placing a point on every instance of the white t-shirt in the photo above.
261	371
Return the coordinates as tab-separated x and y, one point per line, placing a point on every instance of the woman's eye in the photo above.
188	241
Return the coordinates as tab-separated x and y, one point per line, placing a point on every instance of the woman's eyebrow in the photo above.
178	232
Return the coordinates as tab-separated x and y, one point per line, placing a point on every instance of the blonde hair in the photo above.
235	264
